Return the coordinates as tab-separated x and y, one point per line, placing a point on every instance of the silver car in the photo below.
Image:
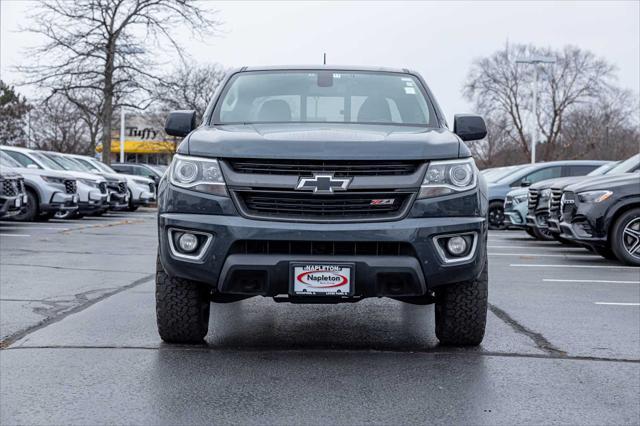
111	193
142	190
12	195
47	191
90	187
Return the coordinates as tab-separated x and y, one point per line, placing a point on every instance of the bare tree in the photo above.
58	126
502	89
105	47
13	115
191	86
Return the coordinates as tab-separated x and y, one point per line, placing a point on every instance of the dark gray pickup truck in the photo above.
322	185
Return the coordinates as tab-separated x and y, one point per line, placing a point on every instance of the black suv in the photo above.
604	214
322	185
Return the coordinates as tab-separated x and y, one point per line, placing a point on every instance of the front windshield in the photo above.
101	166
160	168
631	164
7	161
66	163
324	97
48	162
602	170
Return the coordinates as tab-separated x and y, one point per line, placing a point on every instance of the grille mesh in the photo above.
554	205
70	186
329	248
10	187
346	205
533	199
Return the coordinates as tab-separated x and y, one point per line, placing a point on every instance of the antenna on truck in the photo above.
324	58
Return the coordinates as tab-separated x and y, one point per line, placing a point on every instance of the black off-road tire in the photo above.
542	235
132	207
496	215
530	232
628	221
182	308
461	311
32	210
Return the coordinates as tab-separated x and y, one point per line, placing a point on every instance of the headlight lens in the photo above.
447	177
520	199
52	179
89	182
594	196
198	174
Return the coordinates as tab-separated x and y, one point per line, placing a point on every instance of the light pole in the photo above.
122	134
535	60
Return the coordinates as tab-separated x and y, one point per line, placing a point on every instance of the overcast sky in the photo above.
437	39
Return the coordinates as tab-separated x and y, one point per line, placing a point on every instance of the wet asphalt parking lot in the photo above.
77	326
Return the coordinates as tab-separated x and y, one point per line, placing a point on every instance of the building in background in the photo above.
145	141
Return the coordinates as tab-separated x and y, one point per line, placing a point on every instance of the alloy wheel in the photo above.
631	237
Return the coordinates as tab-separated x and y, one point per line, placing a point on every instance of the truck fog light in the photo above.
456	245
188	242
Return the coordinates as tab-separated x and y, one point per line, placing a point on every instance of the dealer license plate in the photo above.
322	279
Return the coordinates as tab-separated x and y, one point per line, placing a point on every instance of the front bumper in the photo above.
144	199
118	200
515	217
11	206
61	202
416	273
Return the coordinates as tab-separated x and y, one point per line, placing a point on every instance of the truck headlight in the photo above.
520	199
594	196
447	177
89	182
52	179
197	173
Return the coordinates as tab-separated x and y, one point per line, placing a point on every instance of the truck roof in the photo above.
323	67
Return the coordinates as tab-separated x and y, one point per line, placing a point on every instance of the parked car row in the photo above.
600	210
39	185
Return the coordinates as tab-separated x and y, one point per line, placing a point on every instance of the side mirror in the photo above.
525	183
469	127
180	123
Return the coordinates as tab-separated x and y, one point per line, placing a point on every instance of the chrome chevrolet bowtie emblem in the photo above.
323	183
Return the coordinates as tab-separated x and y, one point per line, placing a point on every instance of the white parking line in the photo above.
544	255
563	248
14	235
553	280
527	265
617	304
56	228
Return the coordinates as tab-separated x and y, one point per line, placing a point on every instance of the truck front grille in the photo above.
152	187
349	205
70	186
337	167
323	248
533	199
122	187
103	187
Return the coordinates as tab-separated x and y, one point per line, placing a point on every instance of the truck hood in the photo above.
25	171
323	142
130	178
605	182
558	182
